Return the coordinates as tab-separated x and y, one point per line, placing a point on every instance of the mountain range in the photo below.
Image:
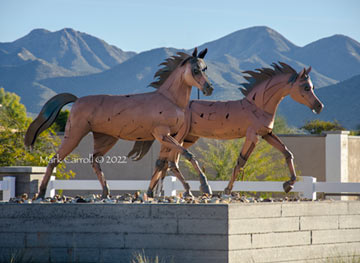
43	63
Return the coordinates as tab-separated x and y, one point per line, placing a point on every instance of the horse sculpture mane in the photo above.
256	78
170	65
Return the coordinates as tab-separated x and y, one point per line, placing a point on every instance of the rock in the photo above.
35	196
38	201
268	200
90	198
109	201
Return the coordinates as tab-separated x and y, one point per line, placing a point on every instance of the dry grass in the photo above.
16	256
140	257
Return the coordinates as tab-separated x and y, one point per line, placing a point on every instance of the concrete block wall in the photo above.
294	232
262	232
114	232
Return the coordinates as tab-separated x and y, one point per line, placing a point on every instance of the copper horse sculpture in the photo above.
249	117
137	117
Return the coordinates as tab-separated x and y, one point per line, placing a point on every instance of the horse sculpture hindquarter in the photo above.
250	117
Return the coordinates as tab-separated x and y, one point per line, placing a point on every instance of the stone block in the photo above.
335	236
354	208
89	210
203	226
257	210
319	222
47	240
239	242
280	239
304	253
167	241
349	221
90	225
98	240
193	211
263	225
314	208
12	240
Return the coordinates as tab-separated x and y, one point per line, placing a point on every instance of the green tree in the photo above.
13	125
318	126
60	122
356	132
281	126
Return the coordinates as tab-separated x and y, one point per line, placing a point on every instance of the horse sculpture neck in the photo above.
269	93
176	89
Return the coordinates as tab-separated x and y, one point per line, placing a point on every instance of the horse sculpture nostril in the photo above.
318	107
207	89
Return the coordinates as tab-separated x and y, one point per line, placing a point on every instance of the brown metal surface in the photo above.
137	117
251	116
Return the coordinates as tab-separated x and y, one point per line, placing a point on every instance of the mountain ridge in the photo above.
247	49
70	49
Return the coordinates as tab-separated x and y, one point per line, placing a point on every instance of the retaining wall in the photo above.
262	232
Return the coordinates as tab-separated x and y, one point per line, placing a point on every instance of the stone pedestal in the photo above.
28	178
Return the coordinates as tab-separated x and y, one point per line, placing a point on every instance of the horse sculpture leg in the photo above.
49	169
174	167
72	137
204	185
273	140
248	147
102	144
159	176
160	166
163	136
159	184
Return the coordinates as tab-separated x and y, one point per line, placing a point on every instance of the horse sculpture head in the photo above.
192	67
302	91
194	73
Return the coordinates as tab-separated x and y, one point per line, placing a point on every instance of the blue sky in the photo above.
140	25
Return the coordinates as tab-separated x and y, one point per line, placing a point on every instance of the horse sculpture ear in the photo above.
202	53
308	70
302	73
194	54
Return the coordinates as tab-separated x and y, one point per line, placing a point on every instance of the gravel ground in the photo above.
140	197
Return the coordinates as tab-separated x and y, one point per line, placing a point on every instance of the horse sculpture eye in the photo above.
196	71
307	88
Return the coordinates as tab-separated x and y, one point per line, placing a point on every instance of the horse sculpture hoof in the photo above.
150	194
205	189
188	194
227	191
288	186
40	195
105	195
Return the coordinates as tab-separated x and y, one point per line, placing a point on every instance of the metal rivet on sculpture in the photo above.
249	117
137	117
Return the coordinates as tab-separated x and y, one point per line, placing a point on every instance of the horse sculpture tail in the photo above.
47	116
140	149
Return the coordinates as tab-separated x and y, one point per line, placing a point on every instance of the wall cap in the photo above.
337	132
301	135
22	170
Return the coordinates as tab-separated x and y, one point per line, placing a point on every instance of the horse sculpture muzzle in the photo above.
317	107
207	89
